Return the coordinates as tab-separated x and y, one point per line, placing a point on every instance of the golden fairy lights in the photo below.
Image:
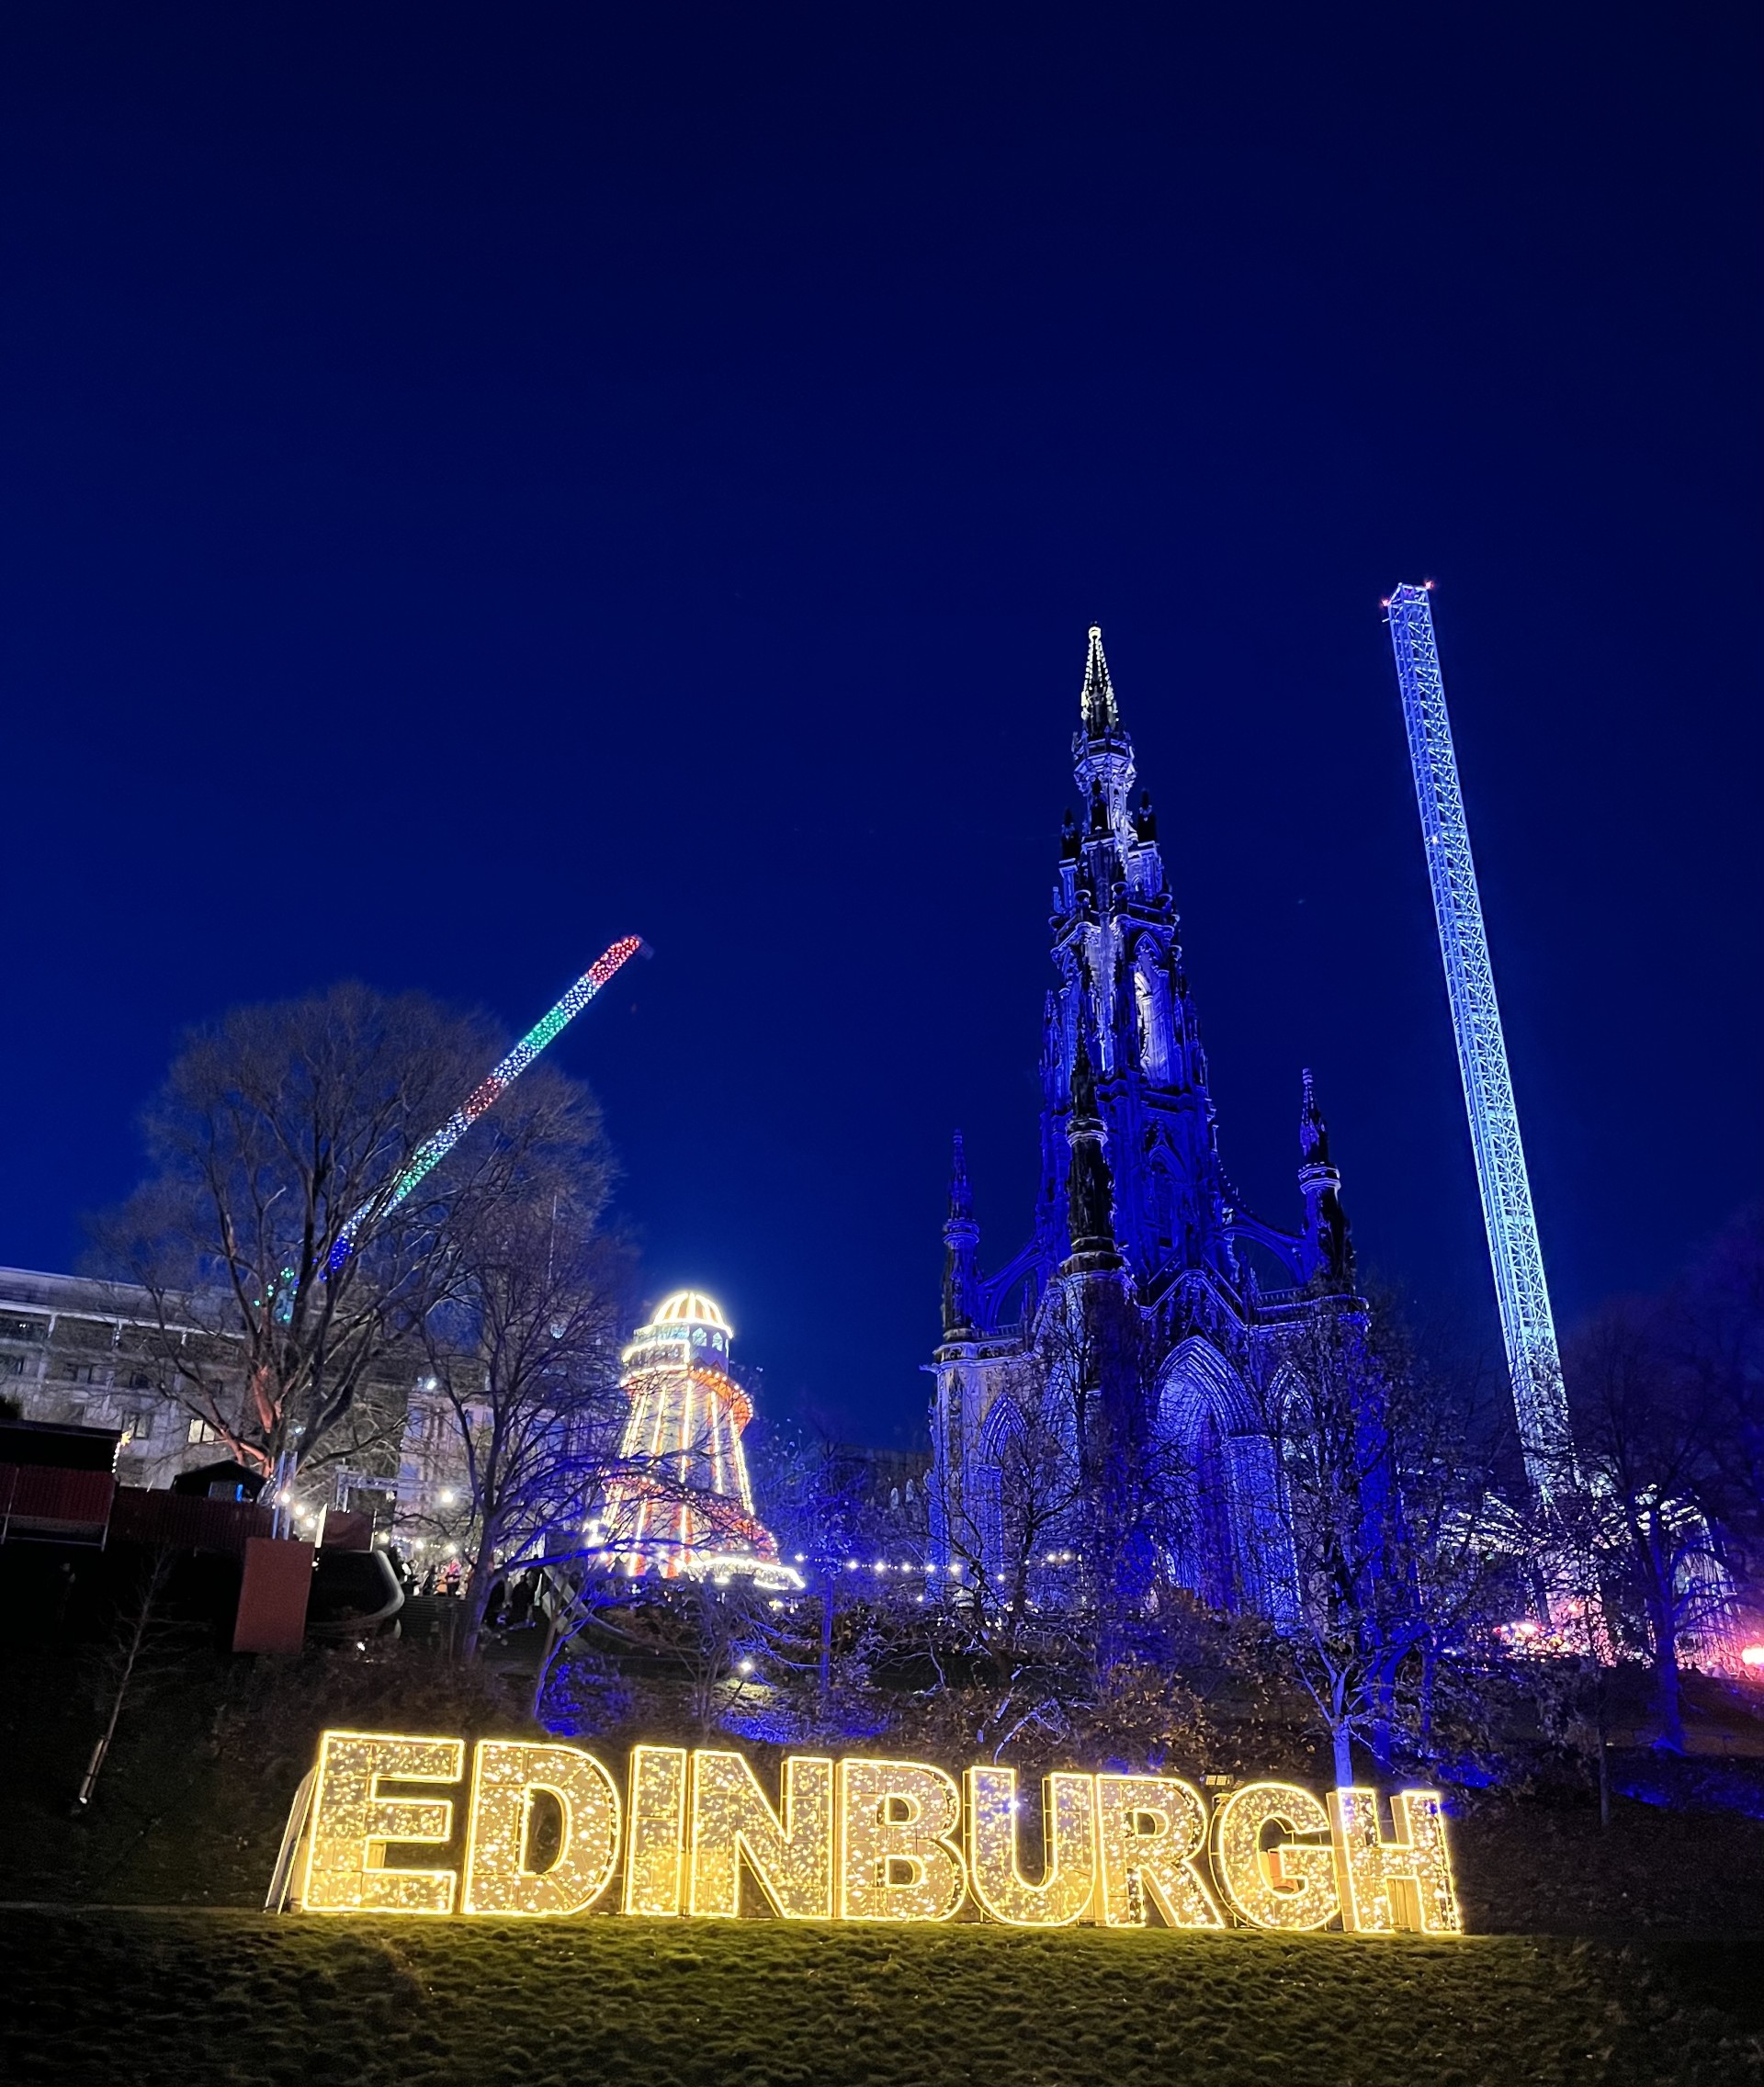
900	1857
790	1856
353	1824
1404	1882
1289	1885
655	1841
1068	1837
1151	1830
546	1824
506	1779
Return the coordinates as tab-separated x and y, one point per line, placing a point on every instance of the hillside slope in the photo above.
196	1998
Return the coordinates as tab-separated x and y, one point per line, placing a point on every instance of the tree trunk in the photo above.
826	1671
137	1637
90	1782
1667	1695
479	1584
1382	1737
1604	1780
1343	1739
1661	1561
548	1653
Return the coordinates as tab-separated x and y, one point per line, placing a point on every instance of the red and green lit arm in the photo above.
436	1147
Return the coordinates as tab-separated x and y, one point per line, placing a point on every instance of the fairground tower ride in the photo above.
682	1504
1527	1324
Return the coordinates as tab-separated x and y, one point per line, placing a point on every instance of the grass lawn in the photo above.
186	1998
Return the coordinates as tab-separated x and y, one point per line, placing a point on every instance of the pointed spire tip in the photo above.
1097	704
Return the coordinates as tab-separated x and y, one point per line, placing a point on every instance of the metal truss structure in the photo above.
1528	1327
495	1084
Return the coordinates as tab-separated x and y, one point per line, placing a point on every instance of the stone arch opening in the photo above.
1229	1546
1003	1437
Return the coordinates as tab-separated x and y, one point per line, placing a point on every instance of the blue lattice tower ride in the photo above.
1527	1324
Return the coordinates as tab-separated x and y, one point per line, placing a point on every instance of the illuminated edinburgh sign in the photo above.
852	1840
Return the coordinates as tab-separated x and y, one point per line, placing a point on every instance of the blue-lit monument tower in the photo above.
1148	1311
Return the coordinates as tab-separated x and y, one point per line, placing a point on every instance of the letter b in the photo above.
900	1859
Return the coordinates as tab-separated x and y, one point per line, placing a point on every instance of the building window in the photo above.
200	1431
139	1380
12	1365
137	1425
80	1372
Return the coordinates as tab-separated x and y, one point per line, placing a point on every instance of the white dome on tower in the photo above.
691	1308
681	1504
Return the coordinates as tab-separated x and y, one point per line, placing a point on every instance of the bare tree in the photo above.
714	1633
1327	1413
1712	1328
819	1494
1649	1433
1101	1481
522	1354
274	1128
1465	1540
146	1646
1006	1532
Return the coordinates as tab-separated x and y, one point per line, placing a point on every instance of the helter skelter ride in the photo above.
680	1504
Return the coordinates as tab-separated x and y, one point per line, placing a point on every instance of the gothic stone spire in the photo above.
1329	1248
1313	1132
1090	1188
961	1246
1101	718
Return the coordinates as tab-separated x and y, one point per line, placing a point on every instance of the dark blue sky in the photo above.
478	482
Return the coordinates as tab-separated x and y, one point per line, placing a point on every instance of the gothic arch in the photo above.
1161	1196
1155	1030
1197	1381
1004	1424
1236	1550
1289	1395
1067	1004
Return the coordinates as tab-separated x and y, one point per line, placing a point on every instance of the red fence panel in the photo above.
42	1500
273	1597
187	1521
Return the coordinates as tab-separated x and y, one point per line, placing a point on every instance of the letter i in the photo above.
656	1835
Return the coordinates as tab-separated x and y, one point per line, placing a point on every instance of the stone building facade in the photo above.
80	1350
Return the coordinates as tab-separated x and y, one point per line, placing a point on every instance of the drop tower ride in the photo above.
1527	1324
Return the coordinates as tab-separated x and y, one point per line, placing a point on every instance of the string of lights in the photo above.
436	1147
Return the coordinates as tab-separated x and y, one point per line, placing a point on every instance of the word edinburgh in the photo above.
853	1840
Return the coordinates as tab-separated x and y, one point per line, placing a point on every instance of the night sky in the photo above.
478	482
